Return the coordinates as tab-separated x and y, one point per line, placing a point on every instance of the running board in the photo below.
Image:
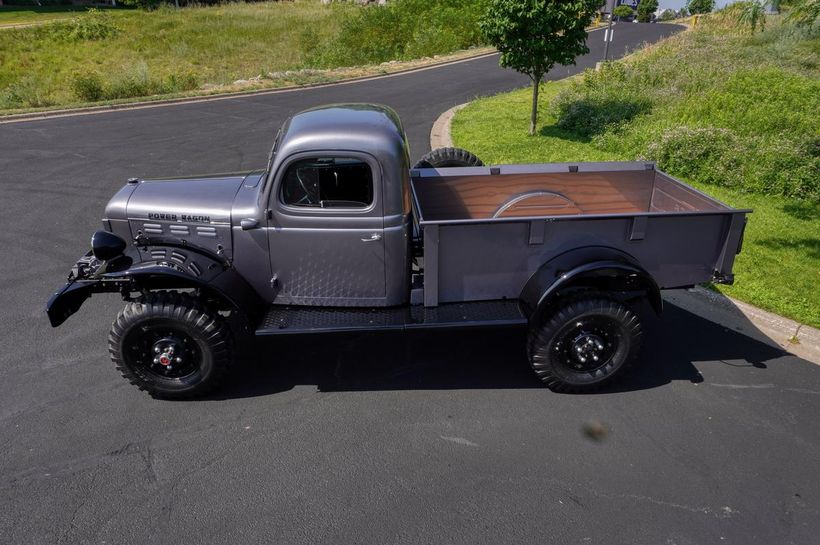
279	319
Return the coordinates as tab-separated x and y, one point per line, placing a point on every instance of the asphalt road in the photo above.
435	438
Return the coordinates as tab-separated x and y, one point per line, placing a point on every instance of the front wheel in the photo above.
584	344
170	345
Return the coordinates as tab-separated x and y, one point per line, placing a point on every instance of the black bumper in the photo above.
68	300
79	287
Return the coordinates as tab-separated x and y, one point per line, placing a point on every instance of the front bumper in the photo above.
84	279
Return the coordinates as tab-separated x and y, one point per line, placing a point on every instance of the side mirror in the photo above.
106	246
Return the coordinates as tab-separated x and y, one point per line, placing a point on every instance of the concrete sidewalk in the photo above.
791	336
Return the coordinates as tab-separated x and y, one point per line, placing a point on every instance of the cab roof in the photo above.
370	129
355	127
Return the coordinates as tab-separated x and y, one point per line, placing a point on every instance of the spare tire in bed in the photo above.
448	157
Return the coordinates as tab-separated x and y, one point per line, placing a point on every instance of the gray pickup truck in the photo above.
341	233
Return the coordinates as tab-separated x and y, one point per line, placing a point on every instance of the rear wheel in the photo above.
586	343
170	345
448	157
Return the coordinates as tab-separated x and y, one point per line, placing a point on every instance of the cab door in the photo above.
326	231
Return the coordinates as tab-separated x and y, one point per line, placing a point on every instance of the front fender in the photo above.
595	266
88	278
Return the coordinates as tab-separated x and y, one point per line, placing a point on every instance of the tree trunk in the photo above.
536	82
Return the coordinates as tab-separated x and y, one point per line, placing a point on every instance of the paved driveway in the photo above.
433	438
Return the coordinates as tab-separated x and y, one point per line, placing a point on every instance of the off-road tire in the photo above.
448	157
554	341
203	338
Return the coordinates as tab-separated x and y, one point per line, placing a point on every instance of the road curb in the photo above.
440	136
775	330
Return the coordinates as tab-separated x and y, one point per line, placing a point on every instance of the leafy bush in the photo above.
601	102
707	155
26	93
94	24
646	9
401	29
88	86
623	11
749	163
136	82
143	4
700	6
596	114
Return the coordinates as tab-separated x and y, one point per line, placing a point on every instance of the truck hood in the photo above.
201	200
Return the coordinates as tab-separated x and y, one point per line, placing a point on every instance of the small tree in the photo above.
645	10
534	35
700	6
623	11
752	13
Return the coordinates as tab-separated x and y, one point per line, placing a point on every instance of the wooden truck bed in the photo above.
487	229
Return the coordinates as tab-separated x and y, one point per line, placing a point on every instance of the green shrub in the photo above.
755	164
26	93
596	114
623	11
143	4
700	6
136	82
707	155
401	29
95	24
646	9
88	86
603	100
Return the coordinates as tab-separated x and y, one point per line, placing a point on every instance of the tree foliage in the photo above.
623	11
700	6
645	10
535	35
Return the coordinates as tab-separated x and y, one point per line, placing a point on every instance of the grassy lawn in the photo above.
779	268
34	14
114	55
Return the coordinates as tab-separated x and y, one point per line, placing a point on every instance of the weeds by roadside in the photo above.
120	54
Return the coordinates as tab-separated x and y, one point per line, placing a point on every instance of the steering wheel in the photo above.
306	198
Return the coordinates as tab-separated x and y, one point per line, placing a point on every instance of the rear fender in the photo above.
599	267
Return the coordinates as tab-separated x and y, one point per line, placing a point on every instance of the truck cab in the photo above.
335	209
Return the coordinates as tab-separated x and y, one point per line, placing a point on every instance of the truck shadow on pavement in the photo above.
486	359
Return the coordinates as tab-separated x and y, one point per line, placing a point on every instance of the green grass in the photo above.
779	268
120	54
33	14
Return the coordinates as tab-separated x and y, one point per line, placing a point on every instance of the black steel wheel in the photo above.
170	345
584	344
448	157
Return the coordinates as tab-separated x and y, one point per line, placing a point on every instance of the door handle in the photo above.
249	223
373	237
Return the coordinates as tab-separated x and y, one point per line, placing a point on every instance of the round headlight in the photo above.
106	246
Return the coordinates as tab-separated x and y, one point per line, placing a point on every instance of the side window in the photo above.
328	182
